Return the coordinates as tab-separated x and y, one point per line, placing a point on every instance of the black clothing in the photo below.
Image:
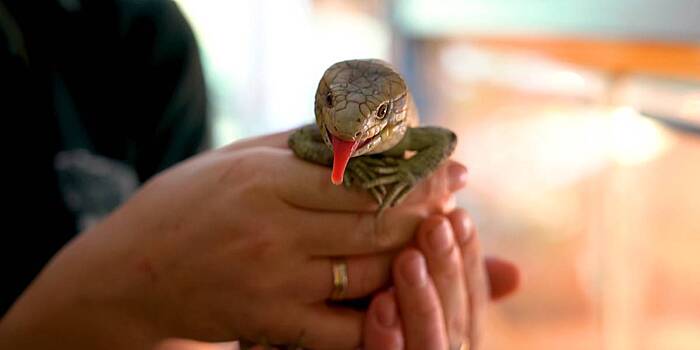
120	80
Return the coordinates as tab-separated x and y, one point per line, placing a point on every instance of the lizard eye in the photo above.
382	110
329	100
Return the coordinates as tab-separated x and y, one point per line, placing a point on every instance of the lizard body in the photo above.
366	122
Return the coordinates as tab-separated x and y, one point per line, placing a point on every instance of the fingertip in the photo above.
384	311
327	326
462	225
411	269
457	173
383	327
429	225
438	240
504	277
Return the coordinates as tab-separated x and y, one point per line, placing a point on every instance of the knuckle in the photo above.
465	230
240	165
389	234
425	308
381	236
449	268
470	261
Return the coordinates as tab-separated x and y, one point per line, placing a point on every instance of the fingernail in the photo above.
458	175
386	312
440	239
464	234
414	271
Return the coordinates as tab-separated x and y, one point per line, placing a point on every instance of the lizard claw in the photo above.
401	179
398	174
388	180
360	172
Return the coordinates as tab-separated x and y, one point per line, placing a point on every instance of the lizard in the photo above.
367	131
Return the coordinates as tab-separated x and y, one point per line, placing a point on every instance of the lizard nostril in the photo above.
358	134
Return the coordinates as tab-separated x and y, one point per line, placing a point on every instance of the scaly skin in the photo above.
367	102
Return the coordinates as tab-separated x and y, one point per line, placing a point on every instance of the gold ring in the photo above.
340	278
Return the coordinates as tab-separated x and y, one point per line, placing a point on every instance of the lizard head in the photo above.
360	109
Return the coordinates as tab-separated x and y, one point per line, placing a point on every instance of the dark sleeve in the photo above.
167	106
130	78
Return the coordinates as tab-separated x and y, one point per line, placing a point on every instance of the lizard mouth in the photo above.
364	143
343	150
371	138
367	141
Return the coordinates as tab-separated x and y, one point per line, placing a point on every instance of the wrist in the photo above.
62	324
80	300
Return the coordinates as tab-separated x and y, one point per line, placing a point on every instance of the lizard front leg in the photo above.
433	145
307	144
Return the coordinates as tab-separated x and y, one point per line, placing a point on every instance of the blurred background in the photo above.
579	121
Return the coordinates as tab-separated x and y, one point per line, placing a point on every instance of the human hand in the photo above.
440	290
235	243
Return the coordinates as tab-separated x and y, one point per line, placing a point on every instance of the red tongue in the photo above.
342	150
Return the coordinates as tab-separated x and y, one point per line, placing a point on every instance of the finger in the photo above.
315	326
276	140
436	241
503	276
419	304
448	178
457	174
186	344
327	234
382	326
308	186
366	274
474	272
329	327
